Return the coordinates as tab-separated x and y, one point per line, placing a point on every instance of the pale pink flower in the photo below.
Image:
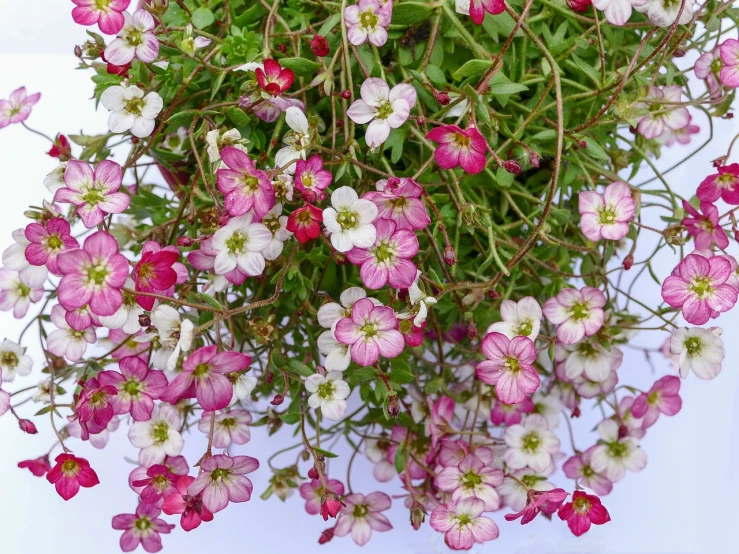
705	227
143	527
471	479
400	201
509	367
662	398
459	148
614	454
14	258
383	108
699	287
239	245
520	319
463	524
371	331
617	12
515	495
607	216
361	515
577	313
680	136
222	480
131	110
138	387
707	67
106	13
579	467
589	358
230	427
510	414
13	361
16	295
531	444
729	51
633	425
18	107
367	20
724	184
94	192
245	187
662	111
135	40
205	259
313	491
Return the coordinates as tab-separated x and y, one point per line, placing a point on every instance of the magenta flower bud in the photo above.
27	426
319	45
576	412
534	159
346	95
330	505
185	241
277	400
326	536
450	256
312	473
471	330
418	515
512	166
628	262
578	5
442	97
309	196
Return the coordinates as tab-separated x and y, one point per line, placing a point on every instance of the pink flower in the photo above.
135	40
273	78
463	524
389	259
707	67
699	287
662	398
579	467
106	13
93	274
578	313
158	271
94	408
38	466
47	241
313	494
158	484
18	107
383	108
95	193
471	479
539	501
724	185
230	427
416	450
65	341
222	480
203	376
128	344
607	216
584	510
143	527
190	506
361	515
244	186
662	111
311	179
510	414
367	19
681	136
508	367
705	228
479	7
137	385
400	201
459	148
16	295
304	222
371	332
729	74
69	474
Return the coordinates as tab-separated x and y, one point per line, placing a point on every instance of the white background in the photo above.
685	500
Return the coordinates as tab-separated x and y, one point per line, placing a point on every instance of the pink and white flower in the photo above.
700	350
663	13
662	398
515	495
297	141
383	108
617	12
699	287
18	107
589	358
158	437
94	192
705	227
361	515
724	184
463	524
46	241
329	393
580	467
615	454
245	187
367	20
400	201
546	502
330	313
729	51
66	341
137	385
135	40
349	220
338	355
371	332
15	294
708	67
142	528
313	493
607	216
131	110
577	313
663	111
531	444
520	319
229	428
312	179
459	148
239	245
471	478
222	480
14	259
509	367
173	335
106	13
510	414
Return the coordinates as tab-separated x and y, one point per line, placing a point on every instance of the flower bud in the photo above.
678	53
578	5
312	473
60	148
330	505
450	256
277	400
534	159
421	121
576	412
393	406
623	431
628	262
512	166
185	241
319	45
281	47
27	426
471	330
144	320
77	51
442	97
308	196
346	94
418	515
583	144
326	536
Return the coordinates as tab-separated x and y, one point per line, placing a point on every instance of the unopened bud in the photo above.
678	53
471	330
534	159
308	196
319	45
418	515
442	97
330	505
578	5
269	378
185	241
78	51
450	256
393	406
628	262
576	412
623	431
583	144
312	473
420	121
346	94
326	536
144	320
277	400
27	426
512	166
281	47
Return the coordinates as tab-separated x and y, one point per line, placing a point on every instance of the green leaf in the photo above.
504	178
472	68
595	150
238	117
399	459
506	88
175	16
547	134
212	302
436	76
586	68
401	376
409	13
325	453
330	23
202	17
290	418
560	216
364	373
300	368
301	66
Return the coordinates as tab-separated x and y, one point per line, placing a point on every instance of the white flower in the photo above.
127	316
175	142
337	354
218	140
531	444
419	299
297	141
240	244
330	313
664	12
43	391
159	437
701	350
277	225
14	258
520	319
13	360
131	110
329	393
243	386
614	455
515	495
462	6
590	358
549	406
55	180
135	40
174	335
350	220
617	12
283	185
65	341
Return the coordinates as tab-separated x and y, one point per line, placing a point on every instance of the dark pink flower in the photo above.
108	14
313	493
304	222
157	271
412	333
459	148
137	386
38	466
509	366
222	480
724	185
662	398
245	187
60	148
18	107
94	408
371	332
159	483
400	201
479	7
319	45
510	414
191	507
69	474
143	527
311	178
273	79
539	501
203	376
705	227
584	510
47	241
